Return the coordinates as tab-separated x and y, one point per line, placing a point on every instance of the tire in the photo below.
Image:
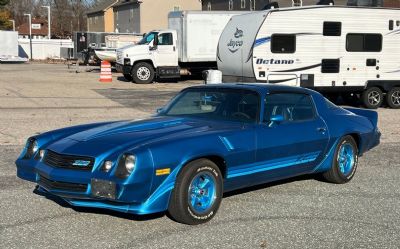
128	77
372	97
345	161
143	73
186	205
393	98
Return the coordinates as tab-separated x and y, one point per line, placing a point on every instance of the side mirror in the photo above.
160	110
155	44
275	119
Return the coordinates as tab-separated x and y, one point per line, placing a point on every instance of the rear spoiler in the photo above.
371	115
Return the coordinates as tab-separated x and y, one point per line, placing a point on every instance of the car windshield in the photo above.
147	38
216	104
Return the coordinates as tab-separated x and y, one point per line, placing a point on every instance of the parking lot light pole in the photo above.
30	32
48	20
13	22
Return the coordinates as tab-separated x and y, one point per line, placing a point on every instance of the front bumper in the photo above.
124	69
91	189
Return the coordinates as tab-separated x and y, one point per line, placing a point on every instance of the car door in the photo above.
166	53
292	139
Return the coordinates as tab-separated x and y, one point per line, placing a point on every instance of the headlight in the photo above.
107	165
31	148
41	154
130	161
126	166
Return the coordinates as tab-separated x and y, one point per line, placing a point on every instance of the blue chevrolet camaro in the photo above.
208	140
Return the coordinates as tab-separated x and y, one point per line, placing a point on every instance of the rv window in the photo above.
364	42
330	66
281	43
332	29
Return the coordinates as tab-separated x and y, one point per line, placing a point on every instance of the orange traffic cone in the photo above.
105	74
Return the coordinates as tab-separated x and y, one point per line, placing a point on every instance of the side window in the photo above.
293	107
165	39
332	29
283	43
364	42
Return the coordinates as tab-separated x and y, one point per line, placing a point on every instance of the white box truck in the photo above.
188	46
9	47
352	51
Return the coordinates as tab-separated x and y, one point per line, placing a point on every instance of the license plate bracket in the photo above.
103	189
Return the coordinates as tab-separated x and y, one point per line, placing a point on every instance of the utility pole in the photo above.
13	22
48	20
30	32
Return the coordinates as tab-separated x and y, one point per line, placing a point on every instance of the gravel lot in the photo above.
301	212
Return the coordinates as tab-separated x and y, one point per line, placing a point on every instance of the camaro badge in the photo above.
81	163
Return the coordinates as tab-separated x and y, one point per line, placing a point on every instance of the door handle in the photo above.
174	48
322	130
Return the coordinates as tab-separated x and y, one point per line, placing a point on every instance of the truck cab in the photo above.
155	56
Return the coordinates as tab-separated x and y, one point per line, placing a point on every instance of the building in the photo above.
247	5
101	17
40	29
135	16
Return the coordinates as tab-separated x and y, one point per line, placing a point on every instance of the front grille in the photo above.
66	186
54	159
120	59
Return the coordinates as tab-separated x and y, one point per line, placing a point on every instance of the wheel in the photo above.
372	97
345	161
143	73
128	77
350	98
197	194
393	98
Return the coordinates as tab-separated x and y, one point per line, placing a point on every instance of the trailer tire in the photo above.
393	98
128	77
143	73
372	97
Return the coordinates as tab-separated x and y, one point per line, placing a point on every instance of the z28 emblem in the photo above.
81	163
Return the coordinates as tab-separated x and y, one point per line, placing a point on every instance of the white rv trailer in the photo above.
332	49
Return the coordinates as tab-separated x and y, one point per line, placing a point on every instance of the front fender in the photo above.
174	156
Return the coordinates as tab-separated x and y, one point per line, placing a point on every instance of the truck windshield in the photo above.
147	38
216	104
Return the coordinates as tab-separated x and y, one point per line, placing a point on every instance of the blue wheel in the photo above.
202	192
345	161
197	193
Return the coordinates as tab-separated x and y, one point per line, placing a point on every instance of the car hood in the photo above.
135	49
130	134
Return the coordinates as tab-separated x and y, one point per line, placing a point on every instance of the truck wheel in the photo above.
128	77
143	73
197	194
393	98
345	161
372	97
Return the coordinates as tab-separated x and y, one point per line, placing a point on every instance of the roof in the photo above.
125	2
23	29
102	6
259	87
